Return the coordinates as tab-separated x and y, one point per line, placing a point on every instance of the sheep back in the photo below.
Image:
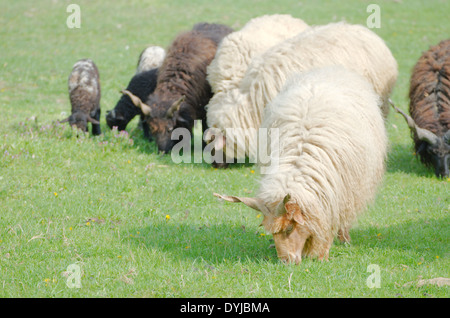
238	48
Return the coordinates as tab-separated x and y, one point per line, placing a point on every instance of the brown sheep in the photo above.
182	90
429	107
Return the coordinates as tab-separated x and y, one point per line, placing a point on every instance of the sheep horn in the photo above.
254	203
281	207
92	120
447	137
422	134
175	107
146	110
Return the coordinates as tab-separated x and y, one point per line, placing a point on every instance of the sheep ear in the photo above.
146	110
291	208
254	203
175	107
422	134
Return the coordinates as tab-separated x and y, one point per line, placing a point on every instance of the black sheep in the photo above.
141	85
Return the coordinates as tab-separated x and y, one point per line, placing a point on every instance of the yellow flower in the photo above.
88	223
252	171
258	216
119	256
167	217
56	194
129	161
437	256
70	229
262	234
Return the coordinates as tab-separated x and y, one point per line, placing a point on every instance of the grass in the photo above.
139	225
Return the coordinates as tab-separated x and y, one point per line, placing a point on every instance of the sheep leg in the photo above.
96	127
326	251
344	235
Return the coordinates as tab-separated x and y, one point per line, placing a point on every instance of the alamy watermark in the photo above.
262	144
374	19
74	19
374	279
73	274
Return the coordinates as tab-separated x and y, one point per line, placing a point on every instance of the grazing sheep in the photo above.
429	106
237	49
150	58
352	46
331	157
84	94
142	84
182	90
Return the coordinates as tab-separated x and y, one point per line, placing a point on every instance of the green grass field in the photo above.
138	225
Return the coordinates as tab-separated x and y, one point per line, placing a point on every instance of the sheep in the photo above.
182	90
429	106
142	84
150	58
84	95
236	50
352	46
331	149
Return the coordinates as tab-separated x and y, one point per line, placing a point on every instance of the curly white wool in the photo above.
352	46
332	149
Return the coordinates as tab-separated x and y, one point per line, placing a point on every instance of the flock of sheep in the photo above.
324	88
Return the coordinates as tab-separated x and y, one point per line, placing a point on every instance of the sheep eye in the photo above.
289	229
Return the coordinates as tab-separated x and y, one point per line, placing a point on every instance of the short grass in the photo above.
138	225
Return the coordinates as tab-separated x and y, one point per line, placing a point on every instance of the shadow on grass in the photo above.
425	237
143	145
212	243
219	243
401	159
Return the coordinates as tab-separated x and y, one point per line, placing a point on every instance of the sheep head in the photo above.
285	220
162	118
438	148
80	120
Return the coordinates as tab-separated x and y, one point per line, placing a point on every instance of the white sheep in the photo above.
237	49
352	46
332	150
150	58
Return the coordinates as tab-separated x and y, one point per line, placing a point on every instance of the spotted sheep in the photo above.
84	95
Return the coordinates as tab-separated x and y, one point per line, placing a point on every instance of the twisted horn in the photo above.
254	203
422	134
281	208
146	110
